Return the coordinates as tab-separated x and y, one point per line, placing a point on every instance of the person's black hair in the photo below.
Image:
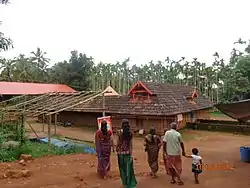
104	127
152	133
195	151
126	133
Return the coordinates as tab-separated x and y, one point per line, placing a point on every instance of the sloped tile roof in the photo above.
20	88
167	99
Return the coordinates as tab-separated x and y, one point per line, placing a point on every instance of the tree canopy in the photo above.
5	42
222	81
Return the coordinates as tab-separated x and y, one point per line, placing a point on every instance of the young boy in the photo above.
196	164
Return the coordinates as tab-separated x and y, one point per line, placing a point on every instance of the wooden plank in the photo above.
43	121
49	130
55	123
33	130
58	105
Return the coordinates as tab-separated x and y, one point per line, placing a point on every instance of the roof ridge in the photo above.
30	83
169	84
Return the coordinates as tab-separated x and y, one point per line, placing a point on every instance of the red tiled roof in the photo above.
20	88
167	99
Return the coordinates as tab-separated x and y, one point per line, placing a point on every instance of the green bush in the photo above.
12	132
35	149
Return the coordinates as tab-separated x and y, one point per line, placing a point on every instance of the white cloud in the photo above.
113	30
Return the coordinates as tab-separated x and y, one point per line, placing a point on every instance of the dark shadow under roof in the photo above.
237	110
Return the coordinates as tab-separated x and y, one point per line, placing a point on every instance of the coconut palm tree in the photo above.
41	62
6	67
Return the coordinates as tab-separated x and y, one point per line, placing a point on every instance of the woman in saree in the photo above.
124	153
104	144
152	147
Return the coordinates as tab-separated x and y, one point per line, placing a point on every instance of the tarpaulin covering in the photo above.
238	110
20	88
67	145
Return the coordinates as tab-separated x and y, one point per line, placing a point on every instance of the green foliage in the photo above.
4	2
217	114
220	127
5	43
36	150
221	82
75	73
12	132
243	66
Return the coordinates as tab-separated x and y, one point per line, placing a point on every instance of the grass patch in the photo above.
35	149
10	133
218	114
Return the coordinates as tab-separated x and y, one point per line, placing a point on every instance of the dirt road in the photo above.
79	171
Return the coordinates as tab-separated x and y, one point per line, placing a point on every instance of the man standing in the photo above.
172	146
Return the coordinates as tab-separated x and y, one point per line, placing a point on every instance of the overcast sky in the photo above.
112	30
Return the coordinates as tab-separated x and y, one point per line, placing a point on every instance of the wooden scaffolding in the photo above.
47	105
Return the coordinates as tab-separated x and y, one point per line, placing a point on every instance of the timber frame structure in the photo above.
45	105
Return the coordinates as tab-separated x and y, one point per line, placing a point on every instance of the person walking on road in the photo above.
152	147
124	149
104	144
173	147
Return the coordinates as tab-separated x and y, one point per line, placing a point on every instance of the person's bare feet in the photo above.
173	181
180	183
154	175
197	182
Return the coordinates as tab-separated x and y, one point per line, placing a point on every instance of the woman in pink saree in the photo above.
104	144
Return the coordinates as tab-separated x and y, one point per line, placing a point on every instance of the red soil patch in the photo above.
79	171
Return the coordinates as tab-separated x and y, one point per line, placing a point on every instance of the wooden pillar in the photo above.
49	130
55	125
22	129
2	119
43	121
162	126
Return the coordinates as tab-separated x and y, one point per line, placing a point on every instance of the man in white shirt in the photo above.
173	147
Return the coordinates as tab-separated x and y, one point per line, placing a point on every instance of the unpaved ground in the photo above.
79	171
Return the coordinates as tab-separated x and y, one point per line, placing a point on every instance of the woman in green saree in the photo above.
124	153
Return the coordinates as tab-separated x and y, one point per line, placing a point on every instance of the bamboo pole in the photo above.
43	121
22	128
43	103
2	118
49	131
55	123
103	104
57	105
33	129
27	102
76	104
10	100
17	129
54	102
